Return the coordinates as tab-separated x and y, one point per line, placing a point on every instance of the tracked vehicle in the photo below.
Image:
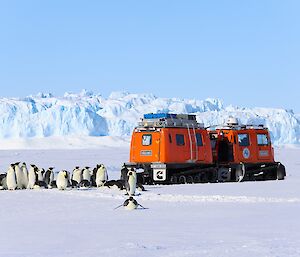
175	148
244	152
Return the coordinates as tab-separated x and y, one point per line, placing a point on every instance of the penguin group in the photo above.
18	176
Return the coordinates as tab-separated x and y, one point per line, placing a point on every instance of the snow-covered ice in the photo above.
224	219
88	114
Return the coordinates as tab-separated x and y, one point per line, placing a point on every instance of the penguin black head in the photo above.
132	169
77	167
17	163
50	168
87	167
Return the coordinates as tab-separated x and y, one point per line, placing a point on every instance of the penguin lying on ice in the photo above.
84	184
114	183
130	204
3	184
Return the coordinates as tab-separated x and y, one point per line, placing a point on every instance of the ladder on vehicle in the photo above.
193	143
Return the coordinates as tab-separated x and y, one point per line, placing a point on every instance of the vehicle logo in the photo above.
159	175
246	153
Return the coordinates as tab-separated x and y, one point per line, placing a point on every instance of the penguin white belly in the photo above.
61	181
132	185
130	206
77	176
31	178
25	177
19	177
40	176
86	175
11	180
101	177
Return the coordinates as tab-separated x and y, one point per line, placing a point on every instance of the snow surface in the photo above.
88	114
224	219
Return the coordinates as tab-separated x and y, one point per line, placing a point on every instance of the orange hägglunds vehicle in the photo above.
244	152
175	148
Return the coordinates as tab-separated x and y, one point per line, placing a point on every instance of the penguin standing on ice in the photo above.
94	175
49	177
19	175
101	175
25	175
86	174
32	176
131	182
11	178
41	173
76	177
62	180
124	172
86	178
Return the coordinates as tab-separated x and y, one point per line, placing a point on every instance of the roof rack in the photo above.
169	120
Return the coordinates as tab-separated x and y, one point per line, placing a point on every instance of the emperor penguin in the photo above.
3	184
62	180
93	177
124	172
131	182
41	174
32	176
101	175
130	204
19	175
86	174
118	184
25	175
11	178
49	177
77	175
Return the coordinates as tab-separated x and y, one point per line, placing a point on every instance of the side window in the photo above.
179	139
147	139
170	138
199	139
262	139
243	139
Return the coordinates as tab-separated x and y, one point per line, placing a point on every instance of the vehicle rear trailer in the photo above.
174	173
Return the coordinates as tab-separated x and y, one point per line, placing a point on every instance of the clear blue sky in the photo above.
246	53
